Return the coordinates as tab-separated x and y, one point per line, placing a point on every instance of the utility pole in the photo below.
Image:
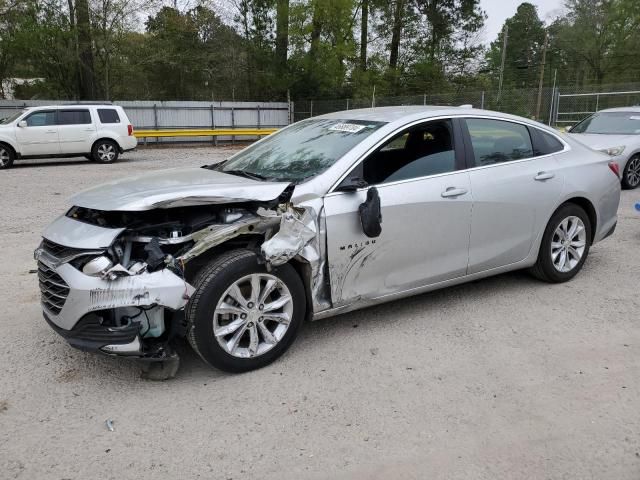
505	37
544	59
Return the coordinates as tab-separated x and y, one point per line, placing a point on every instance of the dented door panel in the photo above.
424	239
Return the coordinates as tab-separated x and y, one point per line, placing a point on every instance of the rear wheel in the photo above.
7	156
105	151
241	316
631	173
565	245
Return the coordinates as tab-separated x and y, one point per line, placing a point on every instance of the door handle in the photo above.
542	176
453	192
50	131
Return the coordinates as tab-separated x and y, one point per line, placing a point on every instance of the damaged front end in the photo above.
118	282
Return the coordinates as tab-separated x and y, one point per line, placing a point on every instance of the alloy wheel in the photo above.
633	172
106	152
253	315
4	157
568	244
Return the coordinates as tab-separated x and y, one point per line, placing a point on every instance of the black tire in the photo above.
89	157
544	268
105	151
7	156
631	179
211	283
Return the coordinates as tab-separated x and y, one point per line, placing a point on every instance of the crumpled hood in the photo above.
598	142
175	188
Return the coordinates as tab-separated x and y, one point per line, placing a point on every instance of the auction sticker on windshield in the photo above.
347	127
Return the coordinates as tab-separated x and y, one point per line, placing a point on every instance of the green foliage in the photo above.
140	49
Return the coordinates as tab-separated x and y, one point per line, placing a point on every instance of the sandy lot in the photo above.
502	378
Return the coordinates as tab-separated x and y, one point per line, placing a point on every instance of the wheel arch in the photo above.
106	138
11	146
590	210
251	242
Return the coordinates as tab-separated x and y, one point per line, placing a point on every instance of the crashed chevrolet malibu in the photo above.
326	216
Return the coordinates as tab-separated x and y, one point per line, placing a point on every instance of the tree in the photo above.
526	34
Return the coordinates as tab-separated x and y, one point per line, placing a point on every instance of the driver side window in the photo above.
422	150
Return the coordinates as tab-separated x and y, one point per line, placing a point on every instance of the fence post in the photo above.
347	104
311	109
233	125
213	123
288	107
155	119
424	99
597	101
482	100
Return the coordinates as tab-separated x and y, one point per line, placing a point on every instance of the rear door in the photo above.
426	201
40	135
76	130
515	189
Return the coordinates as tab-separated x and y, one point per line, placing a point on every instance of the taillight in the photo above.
130	129
615	168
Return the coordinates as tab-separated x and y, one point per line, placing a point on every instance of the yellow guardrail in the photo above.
214	132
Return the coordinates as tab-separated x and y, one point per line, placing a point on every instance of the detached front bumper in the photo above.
83	308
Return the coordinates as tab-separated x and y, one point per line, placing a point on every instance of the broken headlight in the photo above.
98	266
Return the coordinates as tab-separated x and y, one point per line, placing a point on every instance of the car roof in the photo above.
70	106
409	113
635	109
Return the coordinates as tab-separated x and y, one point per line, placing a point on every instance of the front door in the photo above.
40	135
426	200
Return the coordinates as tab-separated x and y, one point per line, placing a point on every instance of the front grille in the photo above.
59	251
53	289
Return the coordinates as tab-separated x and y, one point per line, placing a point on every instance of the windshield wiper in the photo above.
243	173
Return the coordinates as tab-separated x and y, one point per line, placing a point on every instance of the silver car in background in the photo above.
616	132
326	216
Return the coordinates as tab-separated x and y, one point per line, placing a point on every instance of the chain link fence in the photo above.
528	103
554	106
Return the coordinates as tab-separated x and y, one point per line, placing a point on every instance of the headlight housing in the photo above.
97	266
613	151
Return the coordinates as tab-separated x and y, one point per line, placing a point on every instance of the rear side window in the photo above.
74	117
497	141
108	115
544	143
41	119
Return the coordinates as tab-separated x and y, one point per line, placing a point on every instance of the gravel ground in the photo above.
502	378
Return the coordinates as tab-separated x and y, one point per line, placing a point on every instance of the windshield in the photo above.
301	151
612	123
11	118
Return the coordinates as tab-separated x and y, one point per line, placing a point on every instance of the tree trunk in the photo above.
85	51
316	27
364	34
395	33
282	32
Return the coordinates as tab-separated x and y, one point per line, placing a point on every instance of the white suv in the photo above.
98	132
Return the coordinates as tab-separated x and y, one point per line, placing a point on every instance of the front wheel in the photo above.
105	151
242	317
6	157
631	173
565	245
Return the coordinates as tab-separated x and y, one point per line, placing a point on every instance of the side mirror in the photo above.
352	184
568	129
22	123
371	214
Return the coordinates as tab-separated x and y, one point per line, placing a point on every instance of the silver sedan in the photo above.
328	215
616	132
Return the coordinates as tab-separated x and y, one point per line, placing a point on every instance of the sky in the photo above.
499	10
